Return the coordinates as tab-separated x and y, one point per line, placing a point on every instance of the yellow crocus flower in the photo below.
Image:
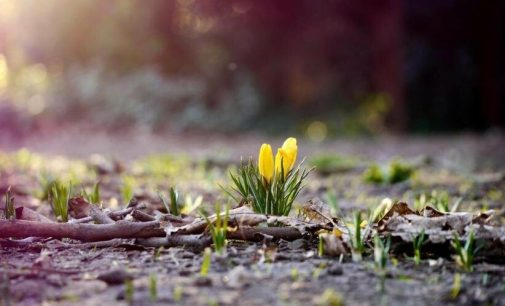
287	154
266	162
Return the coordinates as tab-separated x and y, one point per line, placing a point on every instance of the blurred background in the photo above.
320	68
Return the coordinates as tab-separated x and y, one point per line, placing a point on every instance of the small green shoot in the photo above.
329	298
207	257
218	229
294	274
174	206
331	199
465	253
94	196
10	213
60	194
417	244
456	286
127	188
129	290
382	209
381	252
177	293
357	243
153	287
320	246
191	205
157	253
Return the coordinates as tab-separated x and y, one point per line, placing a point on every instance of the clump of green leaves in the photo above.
174	206
417	244
218	230
60	194
439	200
273	198
10	212
381	252
465	253
331	163
94	196
396	172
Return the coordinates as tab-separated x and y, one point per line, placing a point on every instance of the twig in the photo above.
99	216
83	232
235	219
115	215
142	216
190	241
259	233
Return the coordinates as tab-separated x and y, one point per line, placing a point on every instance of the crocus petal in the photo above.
266	162
290	151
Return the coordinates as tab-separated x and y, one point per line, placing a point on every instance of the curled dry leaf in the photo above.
316	211
333	245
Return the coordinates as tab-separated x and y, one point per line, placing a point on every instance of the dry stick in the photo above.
100	244
241	218
259	233
99	216
142	216
25	213
190	241
83	232
115	215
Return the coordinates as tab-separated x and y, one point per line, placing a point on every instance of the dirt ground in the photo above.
271	272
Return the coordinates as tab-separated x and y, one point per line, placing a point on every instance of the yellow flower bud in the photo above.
286	154
266	162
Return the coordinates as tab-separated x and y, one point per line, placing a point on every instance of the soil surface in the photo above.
271	272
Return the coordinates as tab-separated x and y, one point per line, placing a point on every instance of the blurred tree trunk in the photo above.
489	25
388	57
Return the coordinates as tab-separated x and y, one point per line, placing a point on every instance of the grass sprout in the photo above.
218	229
10	213
417	244
174	206
437	199
456	286
320	246
129	290
153	287
207	257
191	205
94	196
381	252
60	194
128	184
357	243
331	199
465	253
382	209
